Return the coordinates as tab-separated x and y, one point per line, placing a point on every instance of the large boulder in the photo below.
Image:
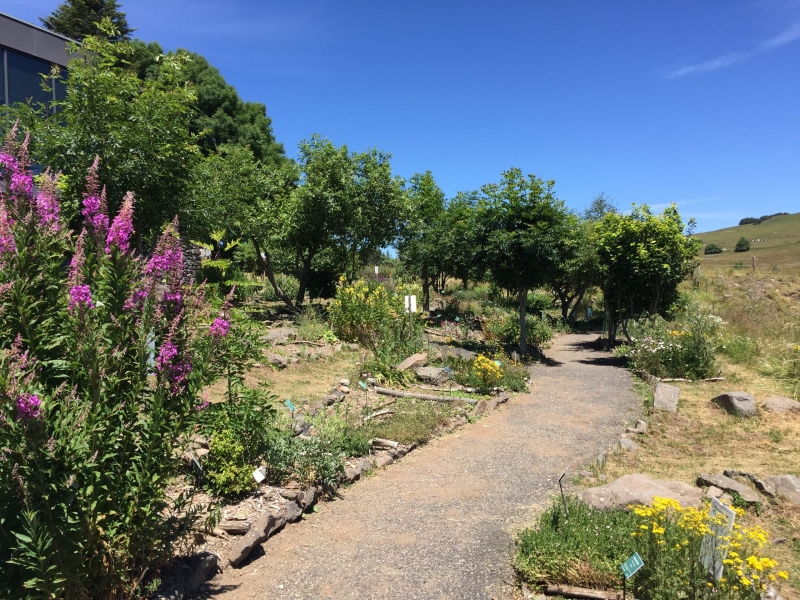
779	404
640	489
732	486
280	335
787	486
433	375
414	361
737	403
666	397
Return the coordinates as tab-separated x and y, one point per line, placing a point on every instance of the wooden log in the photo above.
569	591
381	443
234	527
404	394
379	413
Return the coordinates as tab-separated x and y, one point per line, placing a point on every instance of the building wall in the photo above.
27	52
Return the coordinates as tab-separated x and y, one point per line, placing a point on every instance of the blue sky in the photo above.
690	102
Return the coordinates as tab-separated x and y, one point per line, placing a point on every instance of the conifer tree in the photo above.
78	18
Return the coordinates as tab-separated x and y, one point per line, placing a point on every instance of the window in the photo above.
25	79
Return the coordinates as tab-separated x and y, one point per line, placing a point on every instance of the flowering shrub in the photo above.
587	549
684	348
102	356
488	371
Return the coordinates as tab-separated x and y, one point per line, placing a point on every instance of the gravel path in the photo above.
440	523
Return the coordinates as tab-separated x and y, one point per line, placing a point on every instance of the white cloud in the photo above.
789	35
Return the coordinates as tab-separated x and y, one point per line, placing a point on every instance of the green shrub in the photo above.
311	325
742	245
288	283
680	349
341	437
228	470
740	348
505	329
712	249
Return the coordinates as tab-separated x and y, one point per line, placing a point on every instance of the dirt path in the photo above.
440	523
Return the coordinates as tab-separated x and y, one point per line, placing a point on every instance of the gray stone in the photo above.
344	382
280	334
737	403
383	461
780	404
666	397
433	375
365	464
202	567
731	486
293	360
351	474
491	404
713	492
352	347
787	486
308	497
480	408
258	533
762	486
330	399
628	444
640	428
414	361
201	452
640	489
293	511
445	351
277	360
503	397
726	498
344	389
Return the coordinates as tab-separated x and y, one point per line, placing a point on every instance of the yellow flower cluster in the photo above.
677	333
680	530
489	371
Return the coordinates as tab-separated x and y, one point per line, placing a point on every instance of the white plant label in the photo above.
411	304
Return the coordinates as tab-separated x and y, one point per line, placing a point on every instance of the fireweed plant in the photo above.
102	357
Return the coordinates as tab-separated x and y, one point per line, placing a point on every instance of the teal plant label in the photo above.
633	564
290	405
362	385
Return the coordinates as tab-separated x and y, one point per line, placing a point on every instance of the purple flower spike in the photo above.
80	297
8	244
47	205
219	328
122	228
29	407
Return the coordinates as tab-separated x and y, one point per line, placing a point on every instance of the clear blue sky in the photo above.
690	102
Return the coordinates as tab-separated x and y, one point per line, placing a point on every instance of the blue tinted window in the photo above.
25	80
61	85
2	78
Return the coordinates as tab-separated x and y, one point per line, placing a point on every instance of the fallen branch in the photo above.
434	332
309	342
403	394
693	380
381	443
576	592
380	413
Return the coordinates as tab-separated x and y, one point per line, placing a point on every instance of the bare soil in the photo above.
441	522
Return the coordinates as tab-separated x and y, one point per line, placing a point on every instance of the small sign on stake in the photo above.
411	304
362	385
260	474
376	269
633	564
290	405
712	551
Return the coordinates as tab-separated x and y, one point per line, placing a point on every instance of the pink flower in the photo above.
8	244
80	297
47	205
122	228
136	300
202	406
29	407
94	210
219	328
78	260
168	362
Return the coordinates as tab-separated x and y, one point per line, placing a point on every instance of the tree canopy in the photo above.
78	19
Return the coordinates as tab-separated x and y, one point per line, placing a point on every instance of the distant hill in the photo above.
781	245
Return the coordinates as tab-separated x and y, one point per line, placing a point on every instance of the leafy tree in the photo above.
599	208
419	245
138	129
742	245
78	19
521	223
221	117
459	241
577	267
643	258
712	249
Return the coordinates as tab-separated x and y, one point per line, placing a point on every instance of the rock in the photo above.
726	498
293	511
640	428
313	356
277	360
666	397
298	425
780	404
287	494
787	486
503	397
200	441
201	568
383	461
351	474
234	527
201	452
344	389
762	486
258	533
352	347
731	486
337	393
737	403
293	360
414	361
491	404
365	464
433	375
330	399
480	408
344	382
713	492
451	351
628	444
280	334
308	497
640	489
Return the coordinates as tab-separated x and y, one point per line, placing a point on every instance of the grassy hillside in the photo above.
781	245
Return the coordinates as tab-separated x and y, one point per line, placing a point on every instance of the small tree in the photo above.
577	268
521	222
742	245
78	19
712	249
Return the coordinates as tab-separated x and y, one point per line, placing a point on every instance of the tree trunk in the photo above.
426	291
565	300
301	292
577	303
265	262
523	302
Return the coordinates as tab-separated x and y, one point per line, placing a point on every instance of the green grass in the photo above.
782	245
